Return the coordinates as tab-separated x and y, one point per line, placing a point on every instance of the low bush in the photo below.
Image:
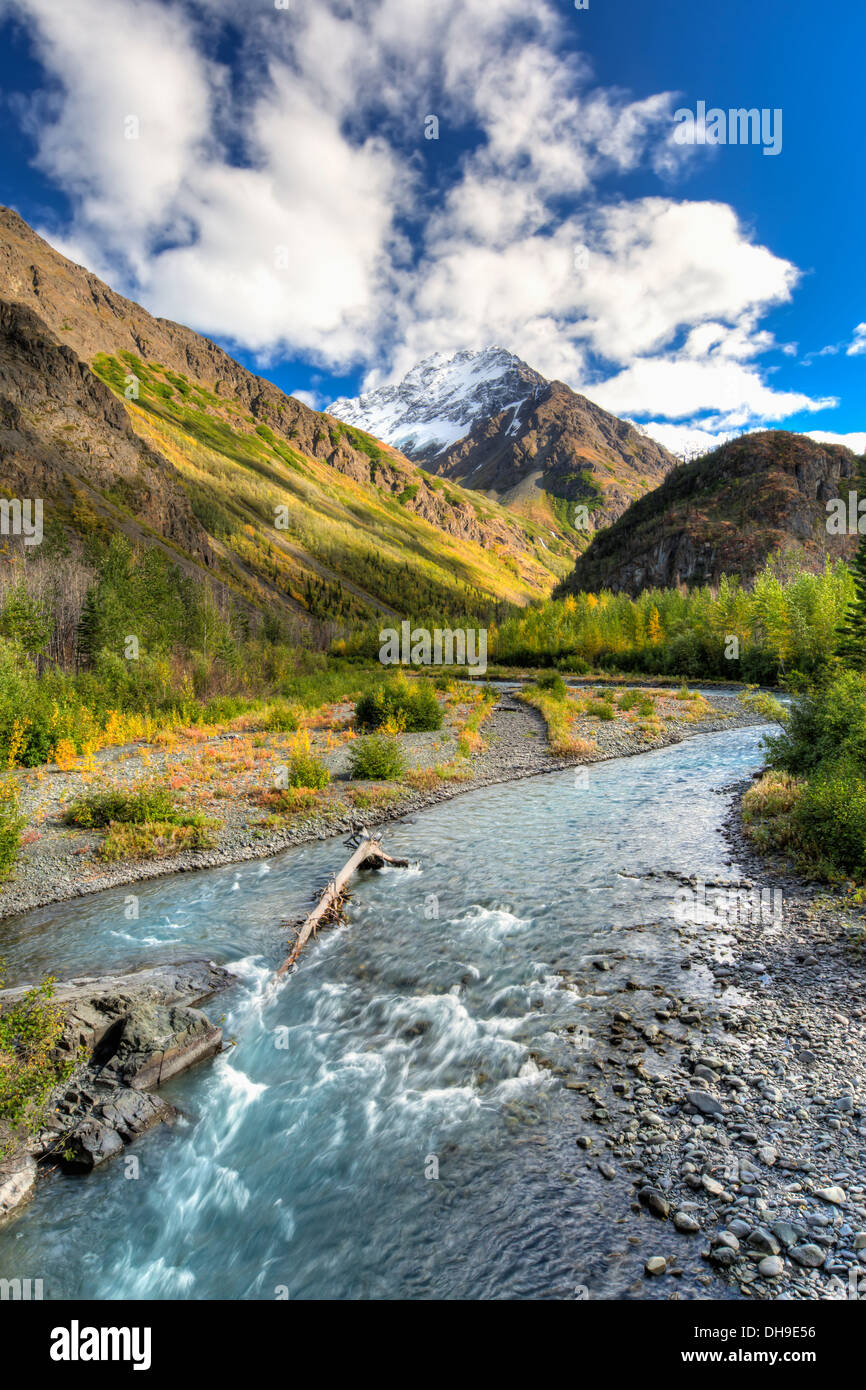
552	683
305	769
146	803
400	704
11	825
157	839
832	812
280	718
377	758
599	709
30	1062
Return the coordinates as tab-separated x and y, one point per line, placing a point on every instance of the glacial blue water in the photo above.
406	1043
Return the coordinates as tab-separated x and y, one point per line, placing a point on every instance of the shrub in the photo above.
832	811
280	718
11	825
553	684
377	757
412	707
30	1034
305	769
575	665
826	724
599	709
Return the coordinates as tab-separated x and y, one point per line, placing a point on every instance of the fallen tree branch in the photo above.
369	855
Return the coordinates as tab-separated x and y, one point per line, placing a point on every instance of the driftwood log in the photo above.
369	855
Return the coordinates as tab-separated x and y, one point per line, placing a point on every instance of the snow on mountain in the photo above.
440	399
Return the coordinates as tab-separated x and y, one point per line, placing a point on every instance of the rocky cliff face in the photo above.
726	513
66	439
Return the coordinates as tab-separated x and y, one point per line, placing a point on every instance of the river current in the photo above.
384	1124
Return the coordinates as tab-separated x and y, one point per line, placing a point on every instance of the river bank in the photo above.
123	1037
740	1120
57	863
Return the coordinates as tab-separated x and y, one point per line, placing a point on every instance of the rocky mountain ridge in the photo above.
726	513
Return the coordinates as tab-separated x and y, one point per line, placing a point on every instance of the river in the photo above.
384	1125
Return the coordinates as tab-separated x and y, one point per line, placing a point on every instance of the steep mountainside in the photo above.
124	421
489	422
726	513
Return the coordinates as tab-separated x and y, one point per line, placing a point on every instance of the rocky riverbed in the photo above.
730	1102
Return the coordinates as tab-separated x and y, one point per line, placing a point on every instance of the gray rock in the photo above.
710	1185
654	1201
656	1265
723	1256
685	1224
90	1144
771	1267
705	1103
726	1238
17	1181
836	1195
810	1256
130	1113
154	1043
763	1242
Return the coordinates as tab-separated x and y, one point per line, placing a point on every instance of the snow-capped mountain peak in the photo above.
440	400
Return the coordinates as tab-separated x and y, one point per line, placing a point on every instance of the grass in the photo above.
146	823
98	809
156	839
559	716
772	820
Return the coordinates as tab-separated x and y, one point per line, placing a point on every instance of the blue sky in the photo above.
263	175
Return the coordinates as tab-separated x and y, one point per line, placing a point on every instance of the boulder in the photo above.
17	1181
154	1043
89	1144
